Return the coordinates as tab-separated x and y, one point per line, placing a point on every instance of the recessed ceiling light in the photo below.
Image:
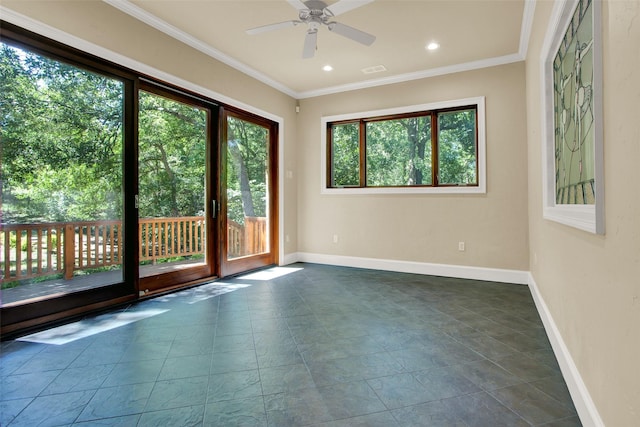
433	46
327	68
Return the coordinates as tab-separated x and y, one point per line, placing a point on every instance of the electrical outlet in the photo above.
286	238
461	246
335	238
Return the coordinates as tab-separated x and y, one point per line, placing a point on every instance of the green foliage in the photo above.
72	193
62	146
398	151
346	155
246	172
171	157
61	131
12	239
457	147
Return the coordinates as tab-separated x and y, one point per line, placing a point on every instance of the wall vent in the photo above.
374	69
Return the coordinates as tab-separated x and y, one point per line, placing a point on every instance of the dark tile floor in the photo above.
321	345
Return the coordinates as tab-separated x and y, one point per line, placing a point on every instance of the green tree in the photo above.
247	166
419	138
61	129
399	152
172	142
345	139
457	147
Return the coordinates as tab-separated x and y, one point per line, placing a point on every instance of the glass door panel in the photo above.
173	225
249	194
61	209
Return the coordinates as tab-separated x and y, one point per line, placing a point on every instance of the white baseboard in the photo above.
446	270
587	410
289	259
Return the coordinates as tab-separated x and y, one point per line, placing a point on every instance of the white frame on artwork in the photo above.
585	217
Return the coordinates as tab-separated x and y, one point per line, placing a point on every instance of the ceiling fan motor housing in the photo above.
316	12
316	7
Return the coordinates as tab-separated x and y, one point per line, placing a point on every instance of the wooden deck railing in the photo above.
171	237
32	250
246	240
44	241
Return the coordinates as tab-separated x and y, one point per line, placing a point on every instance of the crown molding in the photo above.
150	19
168	29
401	78
140	14
525	35
526	26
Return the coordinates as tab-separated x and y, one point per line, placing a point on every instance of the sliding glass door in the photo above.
114	187
175	189
62	167
62	187
249	153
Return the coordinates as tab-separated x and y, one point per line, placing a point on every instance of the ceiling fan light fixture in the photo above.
316	13
433	46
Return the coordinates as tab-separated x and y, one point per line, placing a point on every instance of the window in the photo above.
435	148
398	151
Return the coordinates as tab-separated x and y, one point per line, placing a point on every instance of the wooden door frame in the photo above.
14	320
252	262
33	314
176	279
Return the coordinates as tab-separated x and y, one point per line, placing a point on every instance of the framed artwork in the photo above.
573	188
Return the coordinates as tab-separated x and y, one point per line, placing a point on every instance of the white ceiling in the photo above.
471	33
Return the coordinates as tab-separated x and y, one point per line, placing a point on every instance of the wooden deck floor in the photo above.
60	286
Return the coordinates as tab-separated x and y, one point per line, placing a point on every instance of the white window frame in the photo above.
588	218
481	188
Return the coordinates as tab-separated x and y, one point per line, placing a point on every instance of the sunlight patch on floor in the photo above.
88	327
211	290
269	274
84	328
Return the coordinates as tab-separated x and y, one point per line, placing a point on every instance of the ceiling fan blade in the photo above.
272	27
343	6
310	42
297	4
352	33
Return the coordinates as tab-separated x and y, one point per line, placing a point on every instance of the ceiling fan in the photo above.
316	13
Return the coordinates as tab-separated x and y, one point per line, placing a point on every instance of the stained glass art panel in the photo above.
573	77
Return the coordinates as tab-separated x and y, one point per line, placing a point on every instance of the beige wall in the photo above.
107	27
424	228
591	284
